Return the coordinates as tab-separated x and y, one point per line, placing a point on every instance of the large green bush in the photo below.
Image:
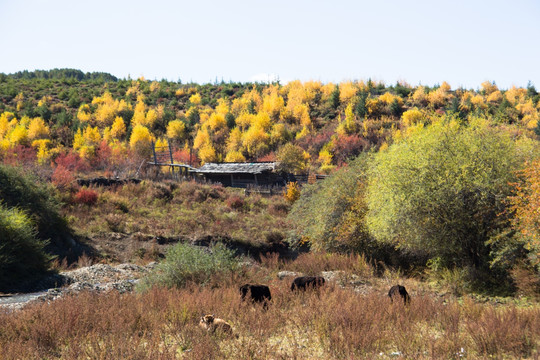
22	255
444	189
187	263
24	192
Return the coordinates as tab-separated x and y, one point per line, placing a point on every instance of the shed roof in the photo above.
236	168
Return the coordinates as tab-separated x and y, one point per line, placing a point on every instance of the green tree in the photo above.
443	188
292	158
330	215
29	195
22	255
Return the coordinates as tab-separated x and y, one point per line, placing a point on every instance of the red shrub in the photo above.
235	202
85	196
348	146
182	156
268	157
72	161
62	178
19	155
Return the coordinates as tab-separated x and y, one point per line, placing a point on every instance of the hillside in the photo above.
105	120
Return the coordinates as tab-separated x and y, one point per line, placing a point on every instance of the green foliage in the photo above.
443	190
325	208
37	200
186	263
22	255
292	159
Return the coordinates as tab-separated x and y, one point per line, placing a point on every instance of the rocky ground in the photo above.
99	278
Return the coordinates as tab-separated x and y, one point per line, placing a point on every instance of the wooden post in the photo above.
154	151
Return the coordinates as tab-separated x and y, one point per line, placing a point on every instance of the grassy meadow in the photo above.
349	318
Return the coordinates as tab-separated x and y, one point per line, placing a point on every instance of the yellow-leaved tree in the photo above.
141	141
176	130
348	125
118	128
37	129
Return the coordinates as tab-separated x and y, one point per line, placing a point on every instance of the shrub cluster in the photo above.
185	263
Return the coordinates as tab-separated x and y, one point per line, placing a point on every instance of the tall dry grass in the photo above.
333	323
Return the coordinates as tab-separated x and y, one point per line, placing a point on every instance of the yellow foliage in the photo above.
154	86
374	106
105	114
201	139
222	107
216	121
273	103
25	121
176	130
388	98
78	140
4	125
303	133
19	100
478	100
141	140
87	152
162	142
348	126
151	117
45	101
91	136
84	113
489	88
466	100
244	120
298	94
18	136
411	117
4	144
240	105
262	120
347	90
495	97
255	141
195	99
118	128
419	96
207	153
140	105
235	156
234	142
133	89
325	157
515	95
301	112
139	118
279	134
43	154
531	121
327	90
526	108
292	192
37	129
107	135
439	97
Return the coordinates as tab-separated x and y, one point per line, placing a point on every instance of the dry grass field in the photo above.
350	318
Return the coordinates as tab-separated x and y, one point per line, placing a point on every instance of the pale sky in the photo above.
420	42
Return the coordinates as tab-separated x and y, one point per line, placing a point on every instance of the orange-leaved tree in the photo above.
526	205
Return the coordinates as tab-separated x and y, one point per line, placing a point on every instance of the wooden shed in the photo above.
236	174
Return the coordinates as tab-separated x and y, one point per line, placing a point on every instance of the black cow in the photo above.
258	293
303	282
398	290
